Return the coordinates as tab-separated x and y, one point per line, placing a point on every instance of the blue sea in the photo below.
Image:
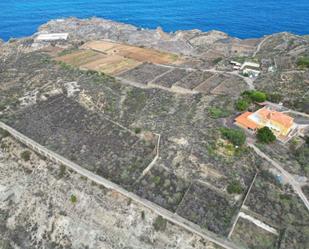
240	18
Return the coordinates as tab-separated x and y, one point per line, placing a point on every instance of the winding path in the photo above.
258	48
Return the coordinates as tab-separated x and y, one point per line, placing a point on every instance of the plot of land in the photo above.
269	200
132	52
144	73
87	138
251	236
162	187
91	60
208	208
170	78
194	79
210	83
280	209
231	85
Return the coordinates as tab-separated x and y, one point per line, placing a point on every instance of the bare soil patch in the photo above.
133	52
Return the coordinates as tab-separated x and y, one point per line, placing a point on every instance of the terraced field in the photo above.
208	208
144	73
133	52
91	60
87	138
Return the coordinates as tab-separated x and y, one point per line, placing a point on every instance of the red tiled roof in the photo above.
244	121
278	117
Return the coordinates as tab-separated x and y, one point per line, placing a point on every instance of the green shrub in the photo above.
25	155
234	188
143	215
157	180
242	105
62	171
274	97
217	60
4	133
303	62
2	107
255	96
137	130
160	224
258	96
65	66
235	136
216	112
265	135
73	199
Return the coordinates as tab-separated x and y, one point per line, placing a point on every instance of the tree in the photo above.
242	105
137	130
254	96
235	136
25	155
265	135
258	96
73	199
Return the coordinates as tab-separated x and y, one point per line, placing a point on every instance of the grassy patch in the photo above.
216	112
234	188
303	62
235	136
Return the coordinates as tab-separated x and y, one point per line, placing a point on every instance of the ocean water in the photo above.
240	18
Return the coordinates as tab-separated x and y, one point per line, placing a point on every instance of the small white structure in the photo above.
52	37
250	65
236	65
251	68
271	69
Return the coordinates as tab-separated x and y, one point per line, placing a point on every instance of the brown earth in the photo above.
132	52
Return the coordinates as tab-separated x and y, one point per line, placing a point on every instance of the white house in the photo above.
251	68
52	37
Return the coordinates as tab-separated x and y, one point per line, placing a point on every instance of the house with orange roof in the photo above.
244	122
280	123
